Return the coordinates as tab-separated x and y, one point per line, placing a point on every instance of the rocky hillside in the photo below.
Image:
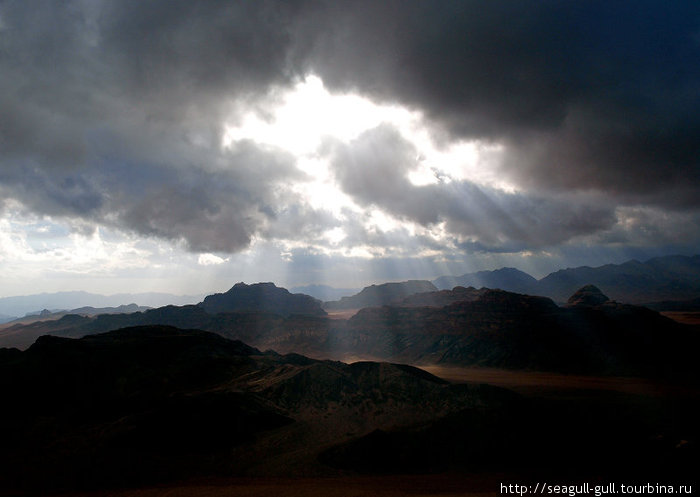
489	328
152	404
384	294
507	330
507	278
262	297
441	298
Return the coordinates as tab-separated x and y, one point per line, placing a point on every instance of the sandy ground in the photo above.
342	313
538	382
685	317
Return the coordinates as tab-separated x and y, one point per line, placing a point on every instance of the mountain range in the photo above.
386	293
156	405
507	278
670	279
19	306
662	278
593	335
259	382
467	327
141	405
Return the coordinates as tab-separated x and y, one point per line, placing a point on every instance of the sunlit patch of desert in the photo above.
684	317
341	313
538	381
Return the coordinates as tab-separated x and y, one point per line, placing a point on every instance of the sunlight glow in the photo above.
309	113
336	235
299	120
303	120
210	260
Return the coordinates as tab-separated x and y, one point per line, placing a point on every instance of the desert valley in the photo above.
453	389
349	248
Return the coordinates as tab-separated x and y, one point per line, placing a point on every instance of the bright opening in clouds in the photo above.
298	119
318	143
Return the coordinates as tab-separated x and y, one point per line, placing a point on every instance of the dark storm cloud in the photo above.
373	169
585	95
110	111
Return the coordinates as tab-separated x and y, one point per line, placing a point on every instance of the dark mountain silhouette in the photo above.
671	278
554	437
386	293
661	278
587	296
507	330
264	329
262	297
507	278
324	292
492	328
21	305
156	403
80	311
441	298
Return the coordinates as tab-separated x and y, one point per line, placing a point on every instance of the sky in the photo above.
181	146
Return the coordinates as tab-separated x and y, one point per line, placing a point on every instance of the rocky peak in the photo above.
587	296
261	297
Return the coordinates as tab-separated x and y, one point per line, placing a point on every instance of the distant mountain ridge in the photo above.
487	328
19	306
660	278
507	278
80	311
667	278
377	295
441	298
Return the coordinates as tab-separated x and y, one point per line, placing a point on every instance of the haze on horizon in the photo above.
184	146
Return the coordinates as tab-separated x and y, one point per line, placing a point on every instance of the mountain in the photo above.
383	294
671	278
22	305
262	329
149	404
587	296
661	278
45	314
157	406
324	292
513	331
491	328
262	297
507	278
441	298
5	318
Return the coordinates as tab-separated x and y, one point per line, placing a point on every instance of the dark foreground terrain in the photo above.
165	410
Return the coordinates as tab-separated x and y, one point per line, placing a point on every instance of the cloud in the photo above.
113	115
210	260
374	169
595	95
